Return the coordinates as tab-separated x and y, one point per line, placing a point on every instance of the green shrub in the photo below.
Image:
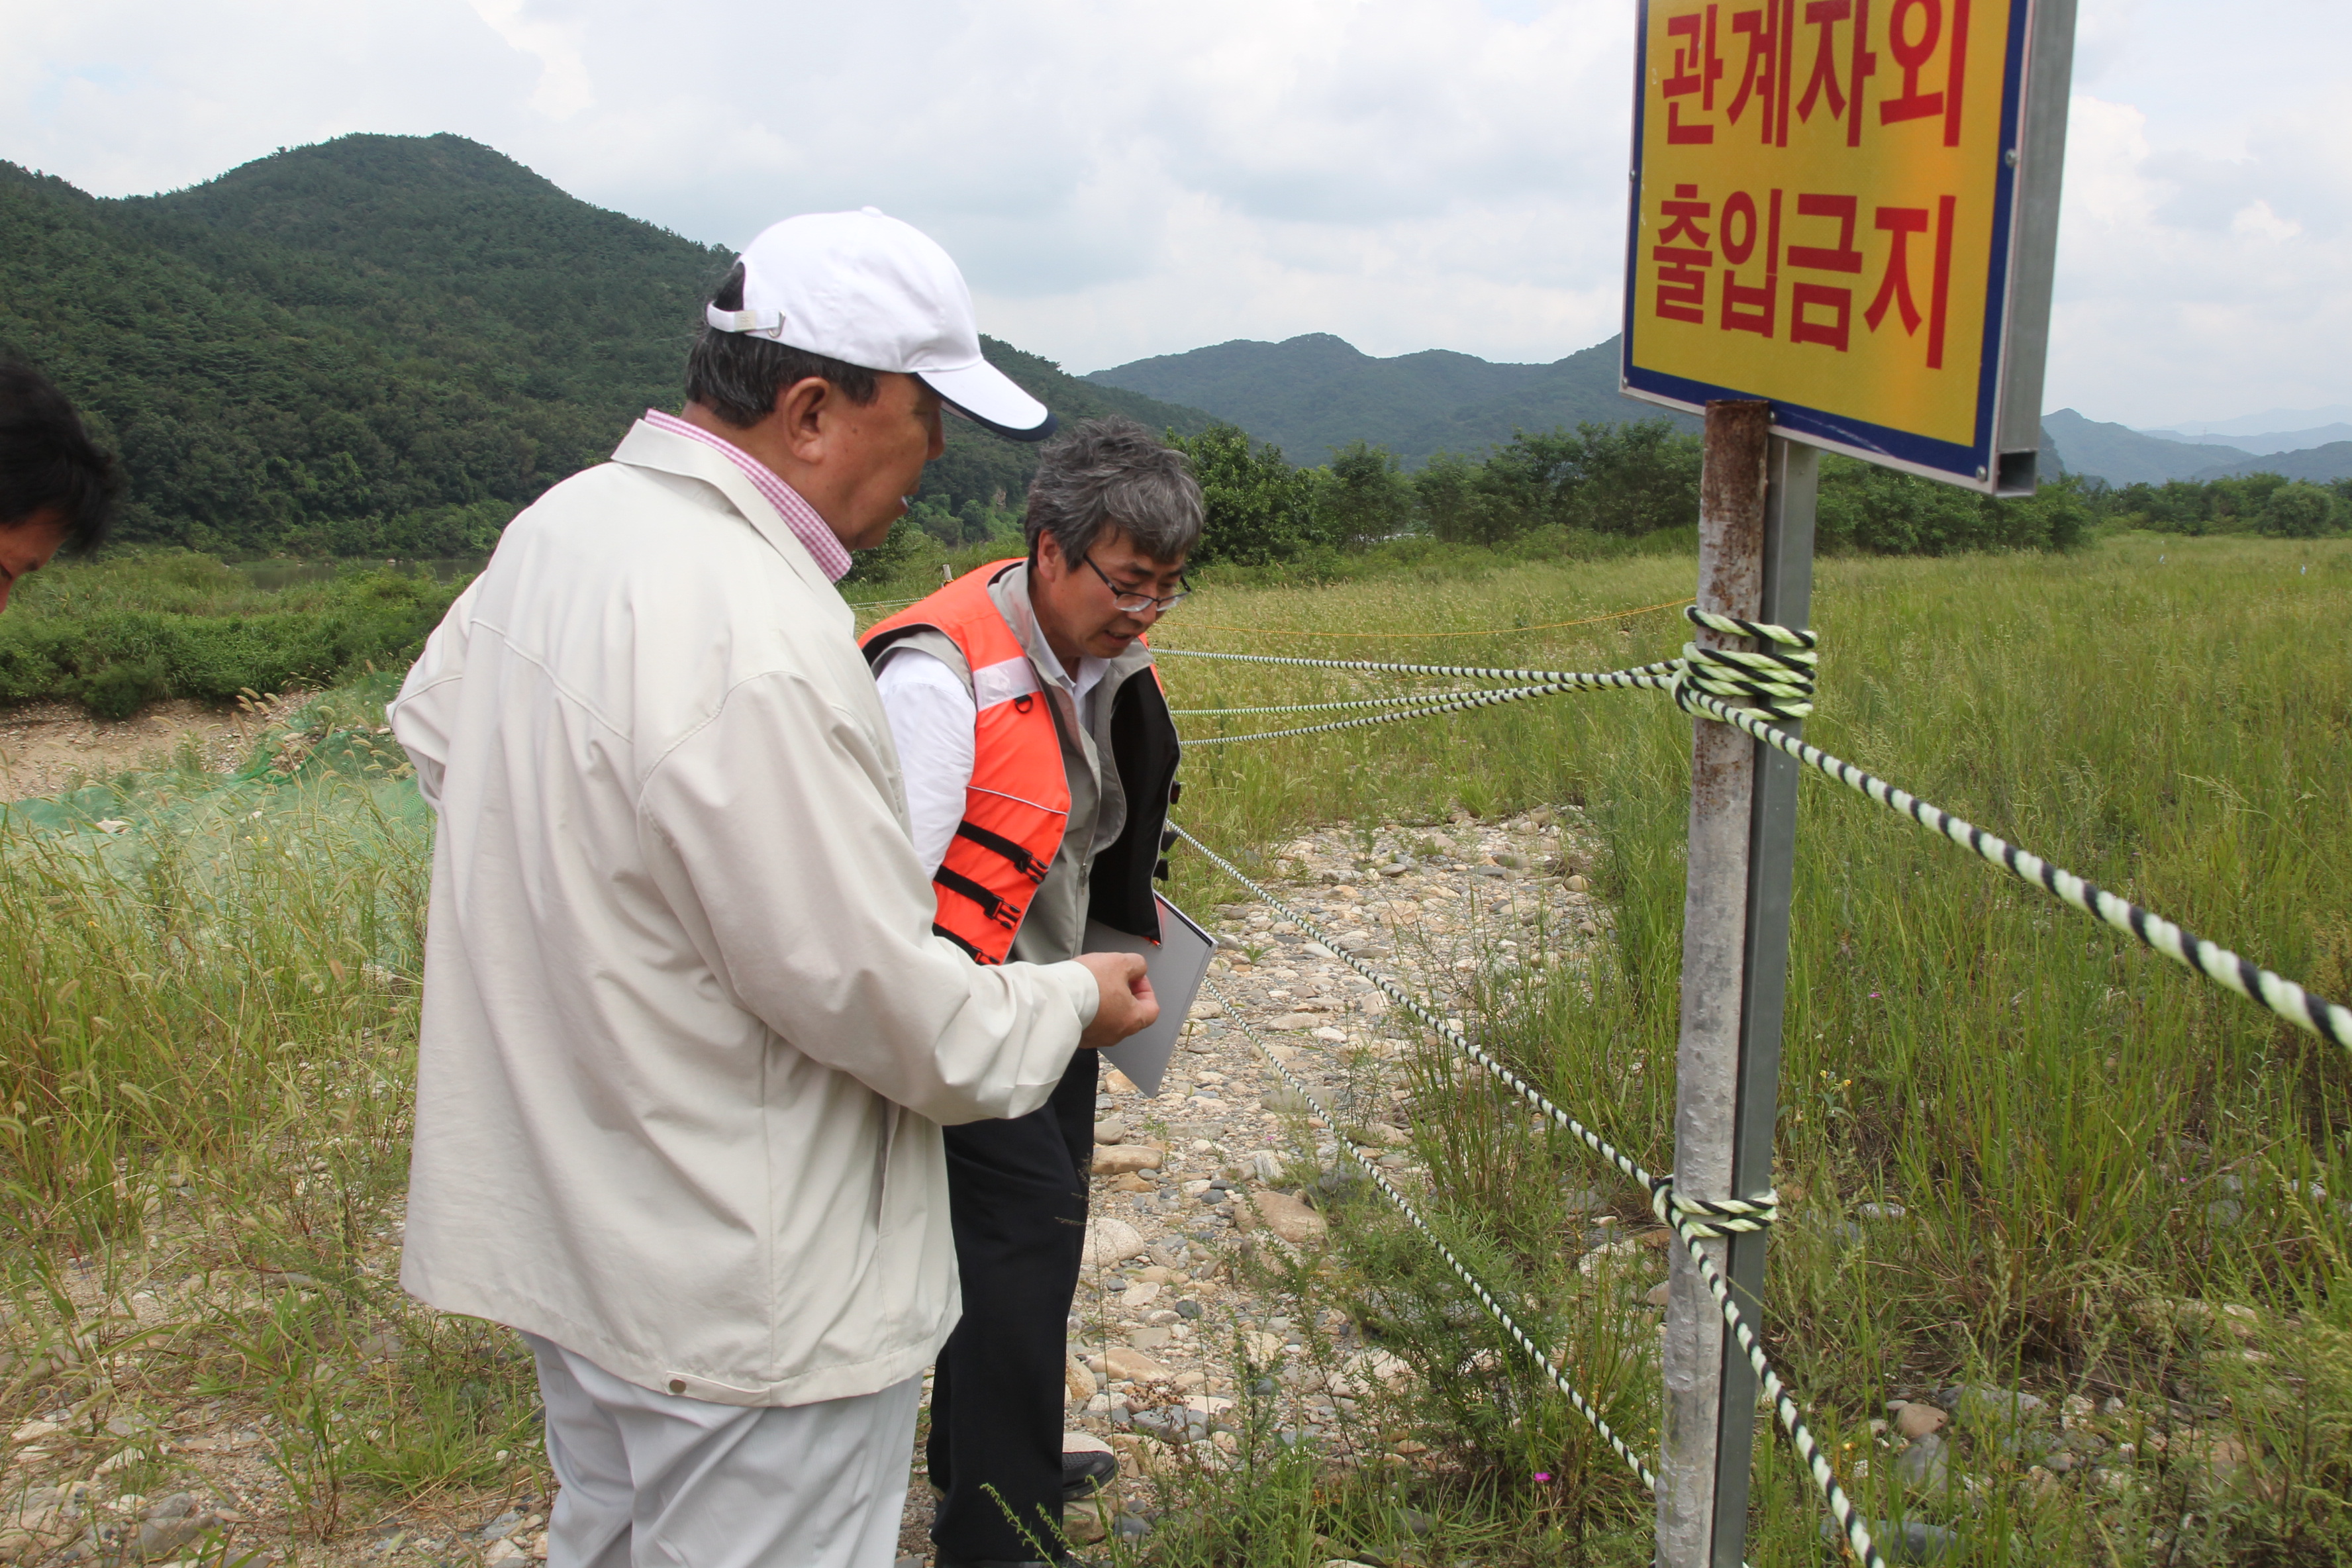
1879	511
2300	511
1260	508
124	687
84	641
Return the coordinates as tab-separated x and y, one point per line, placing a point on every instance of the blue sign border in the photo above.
1975	466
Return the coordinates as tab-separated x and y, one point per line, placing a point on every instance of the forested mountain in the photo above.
384	344
1313	394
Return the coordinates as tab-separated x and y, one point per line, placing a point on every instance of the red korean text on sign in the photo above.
1762	79
1836	303
1820	309
1857	61
1913	30
1697	67
1682	255
1749	307
1895	287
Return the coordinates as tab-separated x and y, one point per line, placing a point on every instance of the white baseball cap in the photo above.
869	290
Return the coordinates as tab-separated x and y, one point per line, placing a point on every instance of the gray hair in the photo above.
737	376
1113	474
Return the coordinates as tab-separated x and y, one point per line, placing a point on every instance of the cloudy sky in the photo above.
1126	179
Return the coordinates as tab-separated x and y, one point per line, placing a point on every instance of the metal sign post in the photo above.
1756	557
1844	218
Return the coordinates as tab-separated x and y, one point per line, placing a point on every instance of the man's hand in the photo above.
1125	1004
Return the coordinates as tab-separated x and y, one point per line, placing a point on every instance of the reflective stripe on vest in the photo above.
1018	803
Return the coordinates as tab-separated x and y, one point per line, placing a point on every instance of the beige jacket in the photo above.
687	1039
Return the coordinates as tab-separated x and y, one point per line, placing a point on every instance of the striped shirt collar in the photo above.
824	545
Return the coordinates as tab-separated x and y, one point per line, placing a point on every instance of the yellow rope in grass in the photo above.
1393	636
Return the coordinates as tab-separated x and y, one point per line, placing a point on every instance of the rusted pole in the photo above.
1732	493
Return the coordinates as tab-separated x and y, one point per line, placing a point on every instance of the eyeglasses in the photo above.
1133	602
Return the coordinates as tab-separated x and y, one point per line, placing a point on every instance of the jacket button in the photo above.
678	1385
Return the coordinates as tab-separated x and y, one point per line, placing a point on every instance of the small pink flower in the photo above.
1543	1475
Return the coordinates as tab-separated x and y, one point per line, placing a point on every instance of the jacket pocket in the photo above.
885	1219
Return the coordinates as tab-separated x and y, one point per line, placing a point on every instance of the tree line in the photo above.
1596	482
1621	481
2268	504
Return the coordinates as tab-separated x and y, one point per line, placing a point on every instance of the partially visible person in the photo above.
1040	759
688	1038
57	488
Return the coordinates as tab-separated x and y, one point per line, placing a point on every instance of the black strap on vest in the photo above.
977	956
991	906
1028	865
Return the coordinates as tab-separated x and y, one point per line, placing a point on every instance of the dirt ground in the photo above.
47	747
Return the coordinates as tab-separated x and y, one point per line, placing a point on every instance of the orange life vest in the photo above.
1019	799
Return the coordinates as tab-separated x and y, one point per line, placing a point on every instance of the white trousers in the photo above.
657	1480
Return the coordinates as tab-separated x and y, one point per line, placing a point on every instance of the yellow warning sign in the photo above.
1825	215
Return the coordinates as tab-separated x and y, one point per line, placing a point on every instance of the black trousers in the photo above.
1017	1199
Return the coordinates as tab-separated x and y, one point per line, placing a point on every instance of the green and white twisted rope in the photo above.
1319	707
1553	1366
2328	1020
1721	1217
1780	681
1693	1220
1460	702
1461	671
1780	684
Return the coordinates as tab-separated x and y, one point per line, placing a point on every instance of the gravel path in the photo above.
1187	1180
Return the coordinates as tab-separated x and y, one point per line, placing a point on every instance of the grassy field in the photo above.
2081	1138
2095	1154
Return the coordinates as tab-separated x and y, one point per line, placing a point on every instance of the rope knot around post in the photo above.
1702	1219
1779	685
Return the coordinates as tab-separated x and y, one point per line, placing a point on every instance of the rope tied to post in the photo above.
1692	1220
1710	1218
1779	685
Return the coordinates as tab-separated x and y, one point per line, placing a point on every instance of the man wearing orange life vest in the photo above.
1039	760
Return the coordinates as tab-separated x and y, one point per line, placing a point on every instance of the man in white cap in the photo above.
688	1035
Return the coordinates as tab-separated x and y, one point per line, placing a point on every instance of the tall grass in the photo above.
210	992
2080	1135
211	1015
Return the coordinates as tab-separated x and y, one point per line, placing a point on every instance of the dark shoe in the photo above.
949	1559
1086	1472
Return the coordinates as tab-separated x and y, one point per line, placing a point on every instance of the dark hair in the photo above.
1113	474
737	376
49	463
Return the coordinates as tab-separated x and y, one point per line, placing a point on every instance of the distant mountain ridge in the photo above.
2250	424
2318	464
2267	441
2121	455
1315	392
384	344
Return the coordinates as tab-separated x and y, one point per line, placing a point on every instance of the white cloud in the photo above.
2192	286
564	88
1121	178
